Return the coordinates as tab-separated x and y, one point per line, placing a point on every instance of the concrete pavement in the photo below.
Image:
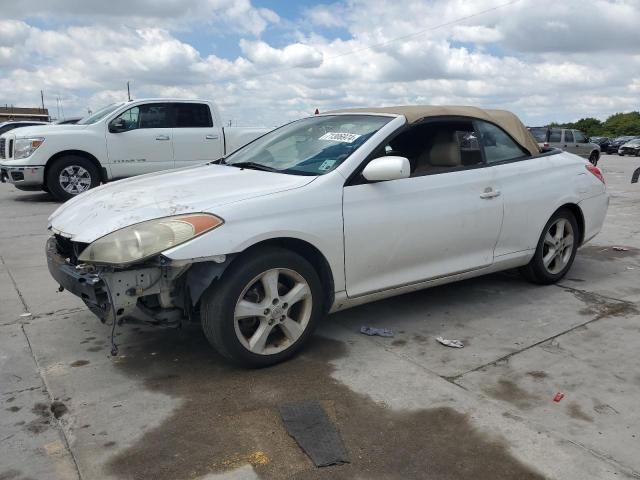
168	408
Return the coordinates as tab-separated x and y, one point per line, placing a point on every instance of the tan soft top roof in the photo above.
414	113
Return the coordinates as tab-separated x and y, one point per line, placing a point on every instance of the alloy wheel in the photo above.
558	246
75	179
273	311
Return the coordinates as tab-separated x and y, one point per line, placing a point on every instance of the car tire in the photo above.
555	251
593	158
261	282
81	173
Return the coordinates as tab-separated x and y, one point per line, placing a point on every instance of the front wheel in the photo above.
70	176
264	308
593	158
555	251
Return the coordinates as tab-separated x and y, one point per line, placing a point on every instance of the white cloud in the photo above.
476	34
294	55
544	60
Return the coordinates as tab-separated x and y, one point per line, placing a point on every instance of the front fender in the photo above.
278	216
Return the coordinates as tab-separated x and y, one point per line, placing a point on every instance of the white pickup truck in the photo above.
118	141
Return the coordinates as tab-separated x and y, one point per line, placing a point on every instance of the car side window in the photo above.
580	137
568	136
436	147
498	146
152	115
555	135
193	115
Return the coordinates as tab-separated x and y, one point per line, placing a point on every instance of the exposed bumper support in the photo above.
108	291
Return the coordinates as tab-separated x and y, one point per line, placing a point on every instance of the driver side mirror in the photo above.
118	125
387	168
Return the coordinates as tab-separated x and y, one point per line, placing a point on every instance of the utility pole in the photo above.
42	99
128	92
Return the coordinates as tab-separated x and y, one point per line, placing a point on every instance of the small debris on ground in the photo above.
620	249
27	314
381	332
559	396
450	343
310	426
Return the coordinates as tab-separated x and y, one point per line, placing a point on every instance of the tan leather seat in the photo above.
444	152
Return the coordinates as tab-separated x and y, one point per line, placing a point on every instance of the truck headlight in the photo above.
147	239
25	147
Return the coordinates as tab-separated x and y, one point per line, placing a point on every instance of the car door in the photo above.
569	142
555	138
582	145
444	219
195	138
529	186
139	140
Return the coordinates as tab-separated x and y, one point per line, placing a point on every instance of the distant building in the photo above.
16	113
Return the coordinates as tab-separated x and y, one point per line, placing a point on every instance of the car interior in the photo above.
435	147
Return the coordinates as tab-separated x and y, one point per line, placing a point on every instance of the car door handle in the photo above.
211	137
489	193
163	137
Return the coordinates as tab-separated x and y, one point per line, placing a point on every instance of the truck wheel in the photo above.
70	176
556	250
264	309
593	158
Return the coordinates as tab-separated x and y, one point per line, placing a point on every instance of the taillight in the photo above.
595	171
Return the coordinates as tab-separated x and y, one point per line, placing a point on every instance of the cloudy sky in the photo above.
269	61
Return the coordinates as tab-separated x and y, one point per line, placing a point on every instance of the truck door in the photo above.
195	138
583	147
139	140
569	142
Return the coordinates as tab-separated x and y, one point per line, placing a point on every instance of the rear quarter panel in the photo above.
533	190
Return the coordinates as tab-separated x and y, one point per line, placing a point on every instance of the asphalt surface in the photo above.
407	407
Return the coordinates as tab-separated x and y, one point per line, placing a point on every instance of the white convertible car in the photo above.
322	214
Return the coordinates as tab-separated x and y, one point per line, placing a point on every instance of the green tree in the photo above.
622	124
616	125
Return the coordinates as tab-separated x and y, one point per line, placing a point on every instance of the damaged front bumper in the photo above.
148	293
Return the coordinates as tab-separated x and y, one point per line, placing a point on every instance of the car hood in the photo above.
44	130
116	205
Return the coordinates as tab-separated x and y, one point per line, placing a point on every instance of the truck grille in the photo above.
69	249
3	142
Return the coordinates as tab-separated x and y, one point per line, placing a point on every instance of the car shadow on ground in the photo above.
34	197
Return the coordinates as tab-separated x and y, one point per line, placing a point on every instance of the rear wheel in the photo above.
555	251
264	309
70	176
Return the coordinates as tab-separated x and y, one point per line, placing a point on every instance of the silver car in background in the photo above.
569	140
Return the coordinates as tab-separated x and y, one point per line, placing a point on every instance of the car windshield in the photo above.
634	142
311	146
100	114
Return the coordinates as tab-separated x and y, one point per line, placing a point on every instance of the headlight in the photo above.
143	240
24	147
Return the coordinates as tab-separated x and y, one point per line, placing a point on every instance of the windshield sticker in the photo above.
326	165
340	137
